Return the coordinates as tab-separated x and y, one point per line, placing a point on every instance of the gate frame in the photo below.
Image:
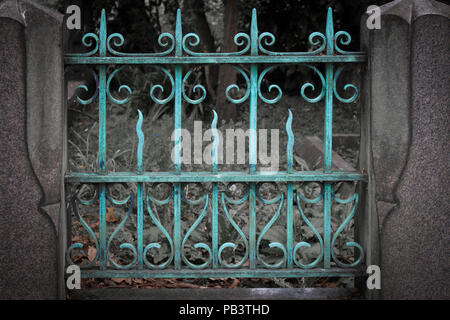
326	177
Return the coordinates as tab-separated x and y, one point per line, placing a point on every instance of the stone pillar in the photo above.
405	215
31	150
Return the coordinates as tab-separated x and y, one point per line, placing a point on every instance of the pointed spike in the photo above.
103	32
330	16
330	32
141	138
103	16
178	34
254	33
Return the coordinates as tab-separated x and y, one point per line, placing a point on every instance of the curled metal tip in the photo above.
141	138
215	147
214	122
290	143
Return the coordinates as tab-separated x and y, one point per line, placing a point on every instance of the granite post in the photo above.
404	219
31	151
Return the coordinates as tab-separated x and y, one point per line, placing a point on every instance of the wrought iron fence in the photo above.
179	53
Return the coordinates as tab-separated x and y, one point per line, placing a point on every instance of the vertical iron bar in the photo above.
215	195
328	128
253	139
177	143
102	142
214	221
289	224
328	131
139	196
140	223
289	193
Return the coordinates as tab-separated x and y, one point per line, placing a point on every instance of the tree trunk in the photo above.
227	74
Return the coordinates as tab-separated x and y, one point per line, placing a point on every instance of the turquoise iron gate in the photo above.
253	54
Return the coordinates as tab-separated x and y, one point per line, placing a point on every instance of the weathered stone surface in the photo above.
405	148
45	96
31	150
10	9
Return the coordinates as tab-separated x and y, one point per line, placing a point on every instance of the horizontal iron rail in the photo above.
360	57
172	177
222	273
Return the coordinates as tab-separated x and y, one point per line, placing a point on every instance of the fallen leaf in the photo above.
186	285
92	253
77	258
79	239
235	283
118	280
110	217
94	225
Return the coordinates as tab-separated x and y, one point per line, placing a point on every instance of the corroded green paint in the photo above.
223	273
215	60
223	176
179	50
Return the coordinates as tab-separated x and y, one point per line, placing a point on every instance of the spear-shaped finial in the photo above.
254	33
330	32
103	34
178	35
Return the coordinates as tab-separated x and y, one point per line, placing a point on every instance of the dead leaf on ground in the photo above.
92	253
77	258
120	280
79	239
110	217
235	283
94	225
